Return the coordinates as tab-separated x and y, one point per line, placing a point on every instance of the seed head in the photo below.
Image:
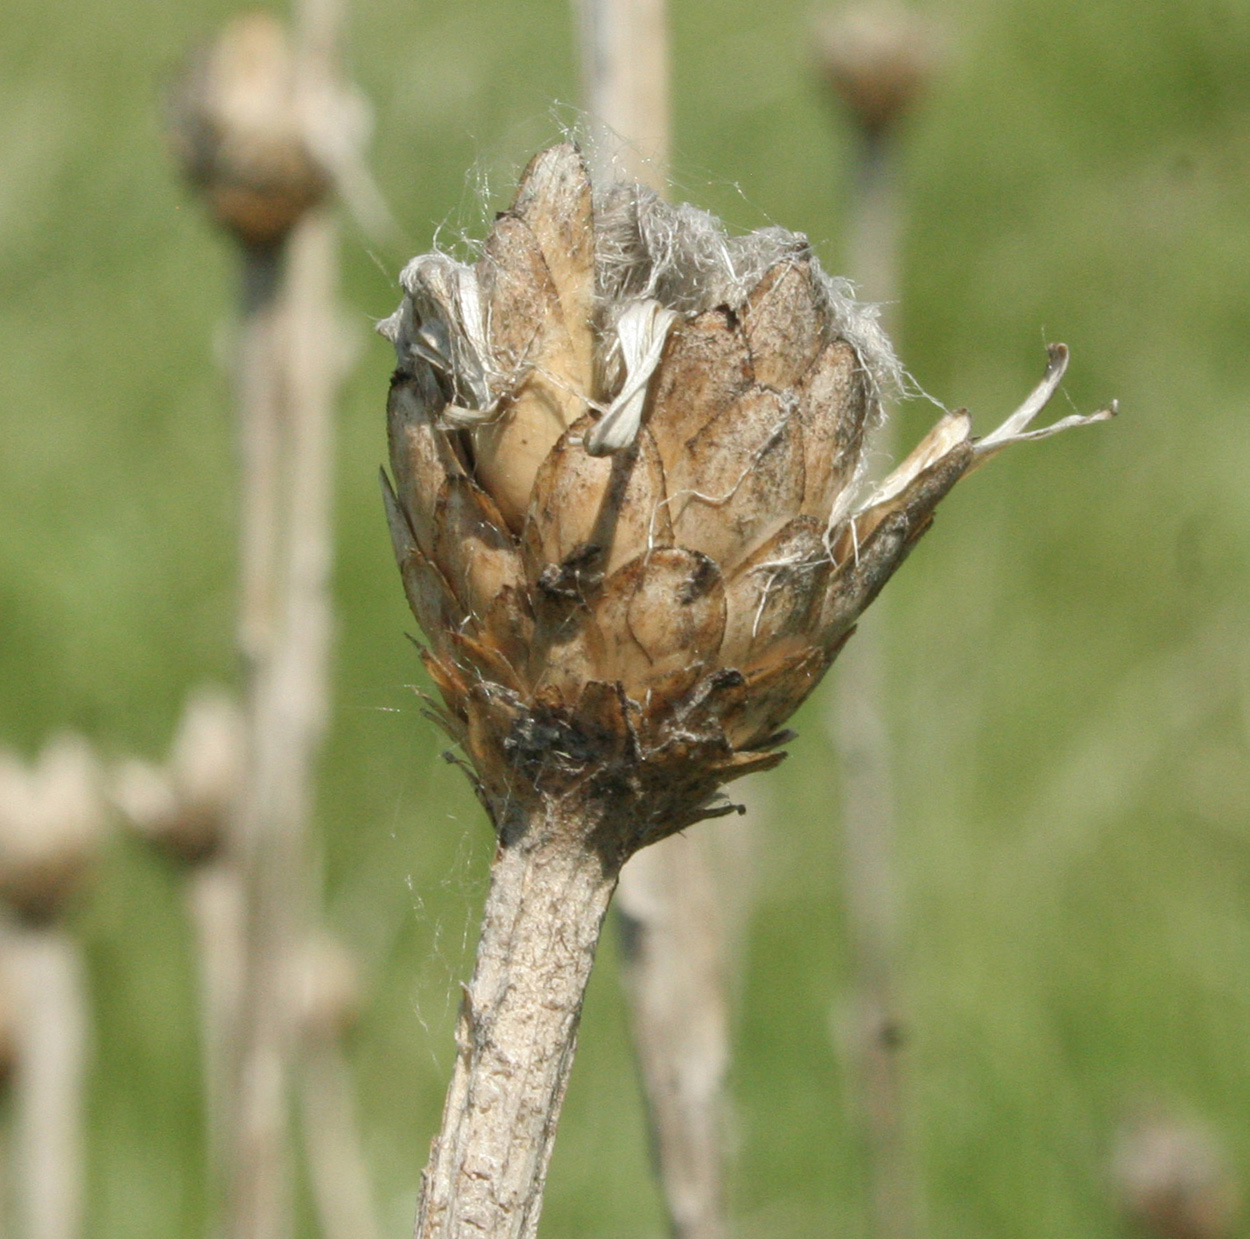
185	805
1172	1177
239	127
626	449
878	58
53	816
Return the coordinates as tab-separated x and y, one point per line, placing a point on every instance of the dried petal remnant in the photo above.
625	448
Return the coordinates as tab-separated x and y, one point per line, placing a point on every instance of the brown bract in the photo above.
639	625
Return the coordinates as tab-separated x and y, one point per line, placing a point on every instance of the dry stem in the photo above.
285	635
46	968
214	894
675	965
517	1031
872	1031
338	1175
625	72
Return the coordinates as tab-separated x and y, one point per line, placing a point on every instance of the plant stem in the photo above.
47	969
285	627
871	1025
625	80
517	1031
338	1173
674	966
872	1032
214	895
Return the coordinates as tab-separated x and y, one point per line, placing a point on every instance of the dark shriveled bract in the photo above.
626	449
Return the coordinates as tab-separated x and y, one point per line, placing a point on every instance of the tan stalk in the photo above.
675	913
518	1030
52	819
625	82
49	976
217	911
257	123
637	638
338	1172
877	59
186	808
288	673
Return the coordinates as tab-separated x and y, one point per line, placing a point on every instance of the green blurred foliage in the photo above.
1067	658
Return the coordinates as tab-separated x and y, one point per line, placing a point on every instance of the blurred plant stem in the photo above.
45	967
289	369
217	911
288	377
625	84
338	1173
876	59
267	129
676	918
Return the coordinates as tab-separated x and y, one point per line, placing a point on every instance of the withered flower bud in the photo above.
626	450
878	59
240	125
185	805
1172	1177
52	822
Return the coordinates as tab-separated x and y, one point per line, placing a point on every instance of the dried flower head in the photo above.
240	131
878	58
52	821
1172	1177
327	988
185	805
626	449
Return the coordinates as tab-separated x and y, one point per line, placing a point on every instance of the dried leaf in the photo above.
602	714
486	662
421	453
472	548
554	199
706	367
431	598
948	432
896	526
545	381
770	695
508	625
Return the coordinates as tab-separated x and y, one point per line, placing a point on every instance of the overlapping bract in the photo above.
649	617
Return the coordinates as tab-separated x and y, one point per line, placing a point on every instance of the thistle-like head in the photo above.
627	450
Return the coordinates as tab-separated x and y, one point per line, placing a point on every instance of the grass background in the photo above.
1069	663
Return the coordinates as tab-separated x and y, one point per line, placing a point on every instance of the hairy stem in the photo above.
517	1033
